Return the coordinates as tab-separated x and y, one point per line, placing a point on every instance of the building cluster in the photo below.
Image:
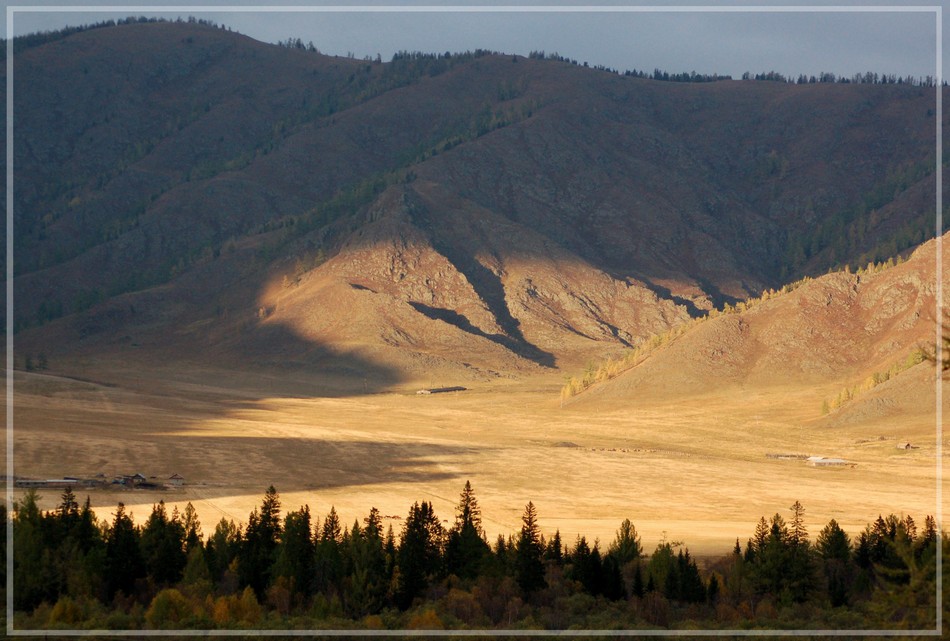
137	481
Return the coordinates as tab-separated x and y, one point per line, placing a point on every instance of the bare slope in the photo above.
836	329
436	275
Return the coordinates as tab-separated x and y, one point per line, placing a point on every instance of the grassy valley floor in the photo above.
693	469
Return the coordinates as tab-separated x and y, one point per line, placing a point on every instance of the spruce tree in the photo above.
365	583
712	591
613	584
295	552
420	553
259	546
32	577
192	527
162	543
466	547
328	554
638	588
221	548
529	569
124	564
834	548
554	550
800	571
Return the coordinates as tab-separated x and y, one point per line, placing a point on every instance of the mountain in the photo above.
182	191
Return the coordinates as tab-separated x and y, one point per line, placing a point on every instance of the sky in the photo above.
897	40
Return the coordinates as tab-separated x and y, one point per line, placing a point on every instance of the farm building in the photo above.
821	461
47	483
176	480
134	480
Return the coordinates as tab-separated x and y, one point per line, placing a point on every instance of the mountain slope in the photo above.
838	328
485	213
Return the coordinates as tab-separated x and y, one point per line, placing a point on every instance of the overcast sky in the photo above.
901	42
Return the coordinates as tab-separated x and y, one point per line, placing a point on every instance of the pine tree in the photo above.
466	547
420	553
662	567
124	564
222	548
192	527
554	550
834	548
798	533
691	587
910	527
332	531
295	552
638	588
68	506
800	571
366	582
612	583
389	549
259	546
712	590
759	539
581	567
329	556
468	512
87	533
626	546
927	538
33	580
529	569
162	543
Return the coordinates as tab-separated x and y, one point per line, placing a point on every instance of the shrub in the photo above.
168	609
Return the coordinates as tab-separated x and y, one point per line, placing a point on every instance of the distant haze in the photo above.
899	42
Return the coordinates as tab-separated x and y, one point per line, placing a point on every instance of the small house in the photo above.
176	480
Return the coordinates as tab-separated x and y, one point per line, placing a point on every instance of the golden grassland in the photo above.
693	469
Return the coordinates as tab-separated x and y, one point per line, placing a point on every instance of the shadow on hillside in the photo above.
518	344
715	295
216	467
301	464
256	360
296	366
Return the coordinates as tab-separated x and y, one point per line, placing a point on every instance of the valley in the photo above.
693	469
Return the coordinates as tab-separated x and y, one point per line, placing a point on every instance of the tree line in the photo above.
437	61
38	38
826	77
73	570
